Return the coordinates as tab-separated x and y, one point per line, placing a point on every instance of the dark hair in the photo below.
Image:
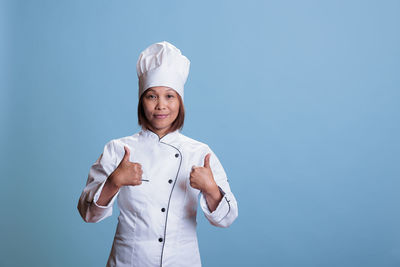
144	122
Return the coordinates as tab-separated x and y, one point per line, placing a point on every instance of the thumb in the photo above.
127	154
207	161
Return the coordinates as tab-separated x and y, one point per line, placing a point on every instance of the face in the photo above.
161	108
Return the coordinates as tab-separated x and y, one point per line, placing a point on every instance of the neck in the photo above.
160	133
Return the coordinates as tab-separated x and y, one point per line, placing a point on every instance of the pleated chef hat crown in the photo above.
162	64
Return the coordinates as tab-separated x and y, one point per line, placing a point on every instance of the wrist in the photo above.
213	192
108	191
111	182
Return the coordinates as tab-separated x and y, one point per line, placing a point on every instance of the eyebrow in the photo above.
167	89
152	90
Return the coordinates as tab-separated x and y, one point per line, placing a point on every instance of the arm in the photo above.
104	183
88	206
109	190
216	199
213	197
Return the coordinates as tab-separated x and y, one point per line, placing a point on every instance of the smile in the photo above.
161	116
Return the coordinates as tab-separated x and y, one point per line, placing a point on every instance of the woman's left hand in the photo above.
202	179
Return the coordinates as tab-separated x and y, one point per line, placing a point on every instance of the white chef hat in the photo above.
162	64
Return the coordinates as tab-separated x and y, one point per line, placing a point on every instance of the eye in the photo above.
170	96
151	96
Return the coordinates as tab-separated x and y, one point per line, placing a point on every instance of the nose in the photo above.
160	104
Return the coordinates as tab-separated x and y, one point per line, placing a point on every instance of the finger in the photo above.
127	154
207	161
137	167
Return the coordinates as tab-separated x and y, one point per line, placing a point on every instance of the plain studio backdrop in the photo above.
299	99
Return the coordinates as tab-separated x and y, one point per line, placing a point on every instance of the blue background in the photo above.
299	99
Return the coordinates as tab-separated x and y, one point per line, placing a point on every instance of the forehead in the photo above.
160	90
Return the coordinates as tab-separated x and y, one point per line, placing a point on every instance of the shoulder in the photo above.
200	150
191	143
127	139
119	143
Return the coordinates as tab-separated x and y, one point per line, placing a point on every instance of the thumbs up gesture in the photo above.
127	173
202	177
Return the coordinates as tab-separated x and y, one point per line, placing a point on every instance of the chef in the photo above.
158	175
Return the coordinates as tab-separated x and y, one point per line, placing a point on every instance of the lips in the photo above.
160	116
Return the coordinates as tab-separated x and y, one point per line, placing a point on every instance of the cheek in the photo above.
147	114
175	108
147	110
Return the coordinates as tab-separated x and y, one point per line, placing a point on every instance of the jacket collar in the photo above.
168	138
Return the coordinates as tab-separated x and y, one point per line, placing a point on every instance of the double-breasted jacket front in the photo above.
157	220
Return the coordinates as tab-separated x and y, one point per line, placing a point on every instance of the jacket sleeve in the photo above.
98	174
227	209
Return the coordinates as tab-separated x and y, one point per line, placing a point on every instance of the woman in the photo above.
158	174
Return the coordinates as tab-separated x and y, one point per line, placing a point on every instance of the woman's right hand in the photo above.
127	173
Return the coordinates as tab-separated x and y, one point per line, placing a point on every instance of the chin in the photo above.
161	127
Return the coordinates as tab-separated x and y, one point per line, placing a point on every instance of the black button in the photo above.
163	209
160	239
170	181
176	155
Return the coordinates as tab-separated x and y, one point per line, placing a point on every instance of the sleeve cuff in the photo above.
220	212
97	195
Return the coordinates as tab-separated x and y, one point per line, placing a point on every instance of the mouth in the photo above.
160	116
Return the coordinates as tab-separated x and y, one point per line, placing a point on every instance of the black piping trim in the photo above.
229	205
169	201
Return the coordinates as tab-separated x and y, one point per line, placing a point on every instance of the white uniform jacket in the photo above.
157	221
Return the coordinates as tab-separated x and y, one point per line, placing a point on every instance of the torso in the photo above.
157	222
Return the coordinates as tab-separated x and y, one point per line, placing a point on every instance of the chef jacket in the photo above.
157	220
